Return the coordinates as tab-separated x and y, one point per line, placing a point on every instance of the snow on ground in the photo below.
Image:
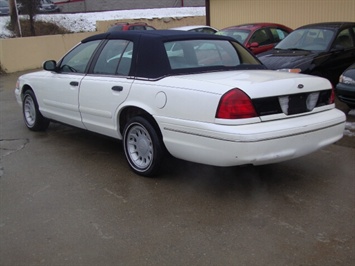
86	22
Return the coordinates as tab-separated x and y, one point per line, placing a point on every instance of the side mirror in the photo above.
50	65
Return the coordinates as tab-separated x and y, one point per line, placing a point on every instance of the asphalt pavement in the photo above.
68	197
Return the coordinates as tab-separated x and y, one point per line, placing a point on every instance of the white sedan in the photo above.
200	97
197	28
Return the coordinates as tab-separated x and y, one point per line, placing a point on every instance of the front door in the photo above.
61	96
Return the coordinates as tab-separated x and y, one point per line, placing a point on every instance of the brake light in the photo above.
235	104
332	96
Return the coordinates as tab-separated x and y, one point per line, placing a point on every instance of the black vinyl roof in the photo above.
149	55
164	35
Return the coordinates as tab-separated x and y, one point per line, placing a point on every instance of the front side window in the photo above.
115	58
261	37
344	40
78	58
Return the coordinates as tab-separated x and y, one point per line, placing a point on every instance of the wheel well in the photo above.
132	111
24	89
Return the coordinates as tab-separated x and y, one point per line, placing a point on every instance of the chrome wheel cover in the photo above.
29	111
139	147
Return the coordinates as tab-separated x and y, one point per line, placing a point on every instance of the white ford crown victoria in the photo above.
200	97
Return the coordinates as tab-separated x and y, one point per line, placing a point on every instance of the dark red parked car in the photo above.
130	26
257	37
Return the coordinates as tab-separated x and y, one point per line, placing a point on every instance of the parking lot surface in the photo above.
68	197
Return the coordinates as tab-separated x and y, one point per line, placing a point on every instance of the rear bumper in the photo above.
260	143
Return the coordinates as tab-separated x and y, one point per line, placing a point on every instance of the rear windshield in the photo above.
191	54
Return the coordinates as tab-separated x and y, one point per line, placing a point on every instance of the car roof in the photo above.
254	26
164	35
152	61
131	23
329	25
187	28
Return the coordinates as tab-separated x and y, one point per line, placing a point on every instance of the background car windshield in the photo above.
307	39
239	35
201	53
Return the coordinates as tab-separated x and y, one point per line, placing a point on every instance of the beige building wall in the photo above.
18	54
292	13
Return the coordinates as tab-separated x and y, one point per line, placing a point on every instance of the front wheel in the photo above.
33	117
143	146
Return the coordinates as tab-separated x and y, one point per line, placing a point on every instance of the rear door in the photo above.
106	87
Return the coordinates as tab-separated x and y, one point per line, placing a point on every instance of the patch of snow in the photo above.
349	129
86	22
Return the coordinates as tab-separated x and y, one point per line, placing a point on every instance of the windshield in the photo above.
207	53
307	39
239	35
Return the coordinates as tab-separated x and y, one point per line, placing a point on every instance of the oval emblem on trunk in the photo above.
300	86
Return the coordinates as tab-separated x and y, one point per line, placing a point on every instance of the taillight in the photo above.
235	104
332	96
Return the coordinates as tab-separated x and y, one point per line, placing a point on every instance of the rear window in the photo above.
206	53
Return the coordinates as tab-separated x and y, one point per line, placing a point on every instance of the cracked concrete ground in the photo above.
67	197
8	146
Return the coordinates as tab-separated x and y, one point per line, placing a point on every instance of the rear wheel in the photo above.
33	117
143	146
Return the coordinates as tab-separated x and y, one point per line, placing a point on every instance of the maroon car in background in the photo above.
122	26
257	37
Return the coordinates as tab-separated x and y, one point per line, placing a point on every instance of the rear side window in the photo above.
344	39
201	53
115	58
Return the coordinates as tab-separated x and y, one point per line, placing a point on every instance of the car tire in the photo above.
143	146
34	120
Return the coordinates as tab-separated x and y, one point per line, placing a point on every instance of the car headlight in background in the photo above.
346	80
